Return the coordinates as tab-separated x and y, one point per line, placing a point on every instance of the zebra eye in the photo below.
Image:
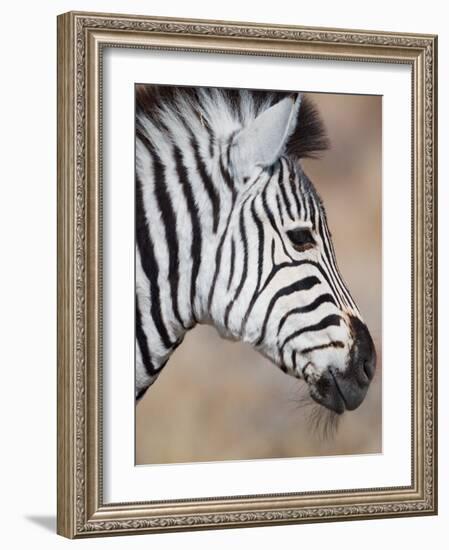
301	238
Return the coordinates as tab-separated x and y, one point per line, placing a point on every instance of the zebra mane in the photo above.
223	111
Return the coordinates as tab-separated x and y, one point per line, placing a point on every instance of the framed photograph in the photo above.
246	274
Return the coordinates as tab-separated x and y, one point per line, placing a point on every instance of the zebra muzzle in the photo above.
345	390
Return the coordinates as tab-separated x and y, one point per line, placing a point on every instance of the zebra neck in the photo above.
184	197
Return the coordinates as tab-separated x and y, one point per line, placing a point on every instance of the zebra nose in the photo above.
352	384
345	390
362	360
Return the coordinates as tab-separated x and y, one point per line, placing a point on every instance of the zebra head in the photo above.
279	287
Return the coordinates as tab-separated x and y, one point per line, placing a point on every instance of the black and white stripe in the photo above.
213	214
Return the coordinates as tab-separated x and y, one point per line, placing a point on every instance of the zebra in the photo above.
230	231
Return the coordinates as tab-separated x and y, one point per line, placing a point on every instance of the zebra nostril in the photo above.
363	375
369	368
363	354
366	370
363	371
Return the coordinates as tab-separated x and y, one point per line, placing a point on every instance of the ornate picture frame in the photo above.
82	39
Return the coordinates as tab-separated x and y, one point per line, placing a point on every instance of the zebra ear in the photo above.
262	142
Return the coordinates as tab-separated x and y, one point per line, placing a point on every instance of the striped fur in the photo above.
214	229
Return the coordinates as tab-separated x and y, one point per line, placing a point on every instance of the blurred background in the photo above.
219	400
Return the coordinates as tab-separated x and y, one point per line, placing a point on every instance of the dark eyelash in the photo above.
301	238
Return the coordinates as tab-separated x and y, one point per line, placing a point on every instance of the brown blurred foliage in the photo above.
218	400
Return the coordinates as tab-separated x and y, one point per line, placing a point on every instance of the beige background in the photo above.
218	400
